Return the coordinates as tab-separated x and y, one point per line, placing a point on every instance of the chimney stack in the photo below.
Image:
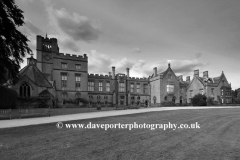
155	71
205	74
113	72
188	78
109	73
181	77
196	72
127	69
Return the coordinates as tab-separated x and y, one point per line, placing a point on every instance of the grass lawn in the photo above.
218	138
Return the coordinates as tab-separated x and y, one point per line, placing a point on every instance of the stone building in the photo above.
167	87
217	88
66	76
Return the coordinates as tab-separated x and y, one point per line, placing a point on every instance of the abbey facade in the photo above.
65	76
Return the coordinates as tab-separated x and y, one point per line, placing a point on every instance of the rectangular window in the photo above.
121	97
170	88
64	65
145	88
100	86
64	95
201	91
78	82
121	87
182	91
212	92
190	94
64	80
107	86
78	66
138	88
132	87
222	92
90	86
228	92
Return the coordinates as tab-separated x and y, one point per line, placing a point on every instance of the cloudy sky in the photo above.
142	34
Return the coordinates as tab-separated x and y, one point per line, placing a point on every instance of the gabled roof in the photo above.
216	79
45	93
37	77
211	81
185	83
198	78
169	69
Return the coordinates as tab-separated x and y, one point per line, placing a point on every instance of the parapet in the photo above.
72	57
101	76
138	79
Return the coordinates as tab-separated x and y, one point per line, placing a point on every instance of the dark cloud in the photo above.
137	50
76	26
70	45
198	55
32	28
123	64
79	31
99	63
181	66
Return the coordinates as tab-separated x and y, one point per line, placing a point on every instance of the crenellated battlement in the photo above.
101	76
138	79
71	56
47	44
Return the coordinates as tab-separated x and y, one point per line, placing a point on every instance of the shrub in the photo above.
210	101
236	101
70	101
43	101
82	100
99	107
166	104
8	98
36	102
199	100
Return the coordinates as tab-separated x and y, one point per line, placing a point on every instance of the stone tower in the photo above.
45	49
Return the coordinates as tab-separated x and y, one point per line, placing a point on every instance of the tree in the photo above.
8	98
199	100
13	44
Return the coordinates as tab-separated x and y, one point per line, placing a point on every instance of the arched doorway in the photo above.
173	99
106	103
146	103
90	103
138	103
165	98
132	102
180	99
154	99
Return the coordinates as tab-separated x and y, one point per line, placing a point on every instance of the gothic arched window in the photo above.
24	90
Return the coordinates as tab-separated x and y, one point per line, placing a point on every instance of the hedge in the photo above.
8	98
